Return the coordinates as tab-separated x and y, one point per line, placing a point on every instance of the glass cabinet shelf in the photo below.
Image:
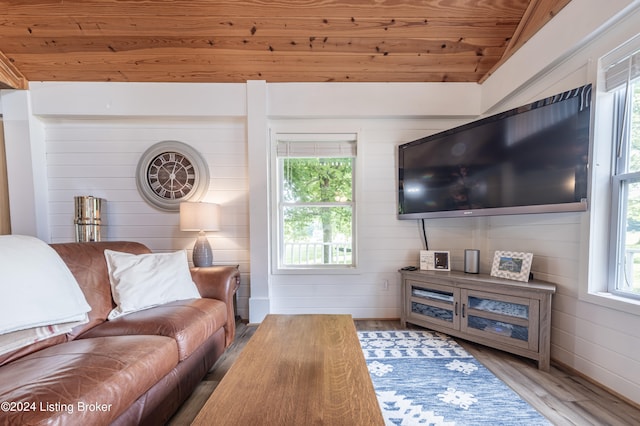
432	311
499	307
499	327
432	294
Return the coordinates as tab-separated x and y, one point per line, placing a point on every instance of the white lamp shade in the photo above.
199	217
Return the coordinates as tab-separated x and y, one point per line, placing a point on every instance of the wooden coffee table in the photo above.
297	370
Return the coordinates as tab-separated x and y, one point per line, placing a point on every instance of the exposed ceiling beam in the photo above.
10	77
537	14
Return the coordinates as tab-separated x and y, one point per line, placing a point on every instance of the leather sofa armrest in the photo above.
219	282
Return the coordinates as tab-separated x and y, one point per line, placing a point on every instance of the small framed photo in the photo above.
432	260
512	265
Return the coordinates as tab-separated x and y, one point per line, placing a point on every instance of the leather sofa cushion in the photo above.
89	381
189	322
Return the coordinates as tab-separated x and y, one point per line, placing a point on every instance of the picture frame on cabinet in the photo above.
434	260
512	265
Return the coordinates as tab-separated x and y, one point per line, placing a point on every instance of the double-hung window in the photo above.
622	81
316	200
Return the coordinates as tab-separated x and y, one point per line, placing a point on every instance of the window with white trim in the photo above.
316	200
622	82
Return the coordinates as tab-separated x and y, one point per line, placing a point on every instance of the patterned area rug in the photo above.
426	378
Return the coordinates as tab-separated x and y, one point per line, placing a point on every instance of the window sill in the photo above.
612	301
328	270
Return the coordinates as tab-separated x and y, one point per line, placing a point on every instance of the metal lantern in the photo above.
88	218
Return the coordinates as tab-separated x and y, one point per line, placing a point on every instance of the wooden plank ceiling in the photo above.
276	41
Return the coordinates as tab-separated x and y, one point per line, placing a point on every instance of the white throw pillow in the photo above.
37	288
141	281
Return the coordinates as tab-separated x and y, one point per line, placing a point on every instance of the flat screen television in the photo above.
531	159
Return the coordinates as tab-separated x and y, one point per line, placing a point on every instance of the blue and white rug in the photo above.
426	378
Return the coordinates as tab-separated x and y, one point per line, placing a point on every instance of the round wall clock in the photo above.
171	172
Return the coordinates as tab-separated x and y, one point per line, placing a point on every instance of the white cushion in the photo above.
37	287
15	340
145	280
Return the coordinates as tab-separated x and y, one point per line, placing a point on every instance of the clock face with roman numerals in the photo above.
171	175
171	172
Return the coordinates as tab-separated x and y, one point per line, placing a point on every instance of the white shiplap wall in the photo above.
99	158
384	243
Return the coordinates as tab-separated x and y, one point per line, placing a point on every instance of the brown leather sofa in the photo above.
136	369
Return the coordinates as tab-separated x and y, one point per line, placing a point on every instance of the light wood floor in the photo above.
564	398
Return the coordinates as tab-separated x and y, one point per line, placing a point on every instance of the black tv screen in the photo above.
531	159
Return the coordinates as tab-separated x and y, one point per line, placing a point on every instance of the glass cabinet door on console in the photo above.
501	318
434	303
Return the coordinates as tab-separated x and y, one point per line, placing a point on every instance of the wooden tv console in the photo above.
508	315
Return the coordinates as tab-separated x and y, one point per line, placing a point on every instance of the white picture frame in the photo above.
512	265
434	260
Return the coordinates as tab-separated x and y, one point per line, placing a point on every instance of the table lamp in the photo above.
200	217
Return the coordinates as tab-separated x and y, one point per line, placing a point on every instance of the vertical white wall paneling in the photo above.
26	171
258	161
